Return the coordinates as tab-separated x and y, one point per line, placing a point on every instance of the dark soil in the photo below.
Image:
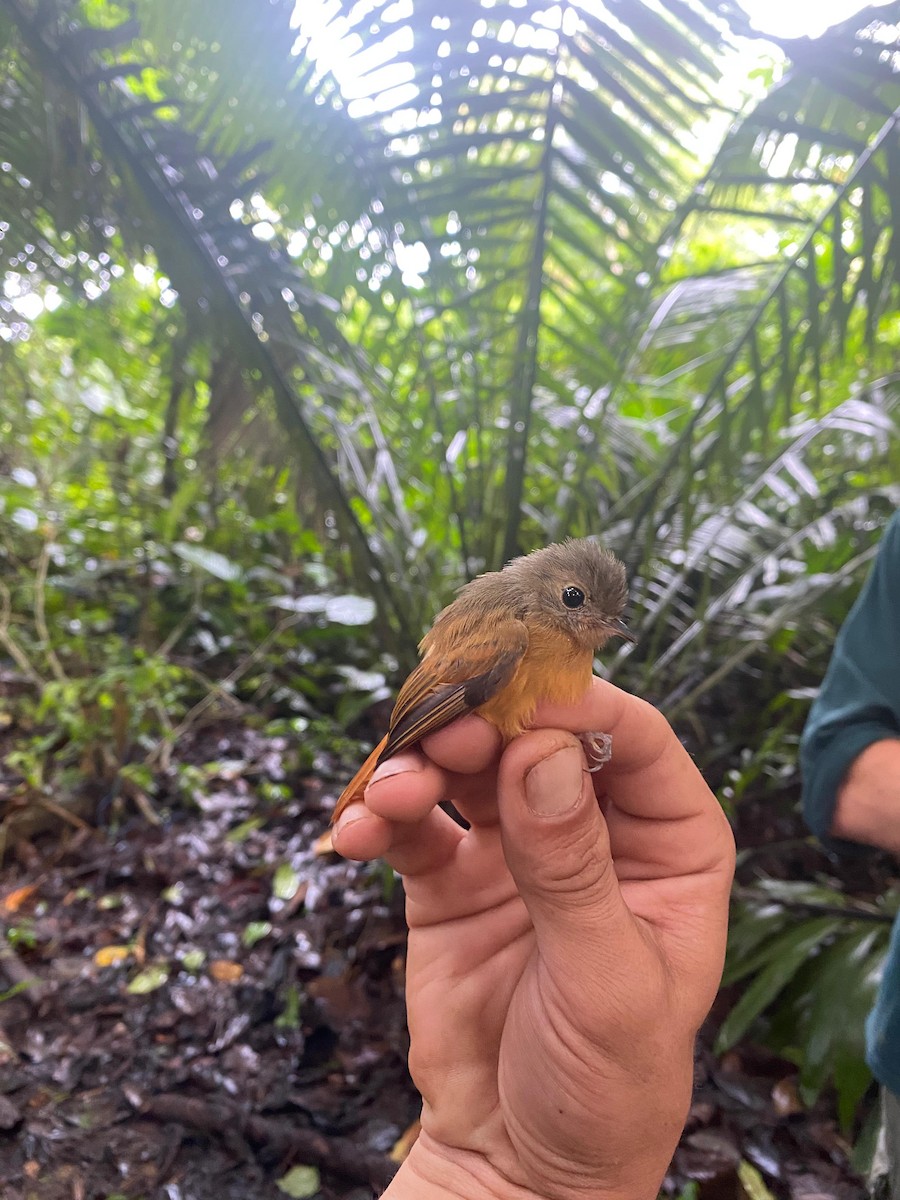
255	1019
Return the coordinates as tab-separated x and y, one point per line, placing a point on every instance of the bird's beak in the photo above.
620	629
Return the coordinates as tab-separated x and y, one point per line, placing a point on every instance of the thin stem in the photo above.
40	615
8	642
522	401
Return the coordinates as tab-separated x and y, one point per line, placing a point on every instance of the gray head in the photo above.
576	587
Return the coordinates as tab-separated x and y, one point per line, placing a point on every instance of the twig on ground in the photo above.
282	1137
63	813
142	802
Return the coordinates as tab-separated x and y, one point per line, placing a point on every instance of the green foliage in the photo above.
87	728
289	1017
132	607
17	989
810	961
22	934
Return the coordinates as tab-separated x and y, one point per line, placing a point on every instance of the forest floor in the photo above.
212	1008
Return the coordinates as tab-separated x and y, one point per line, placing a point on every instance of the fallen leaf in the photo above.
225	971
323	845
255	932
286	882
7	1053
244	829
785	1098
15	899
753	1183
193	960
174	894
149	980
299	1183
287	908
110	956
405	1142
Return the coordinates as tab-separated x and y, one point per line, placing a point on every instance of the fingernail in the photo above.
353	812
554	784
395	766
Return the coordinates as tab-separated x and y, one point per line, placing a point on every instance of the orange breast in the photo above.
551	669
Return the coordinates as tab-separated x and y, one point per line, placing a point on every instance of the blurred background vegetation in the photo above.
310	312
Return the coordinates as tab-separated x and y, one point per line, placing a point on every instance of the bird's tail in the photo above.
360	781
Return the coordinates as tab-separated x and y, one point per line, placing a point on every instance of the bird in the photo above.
511	639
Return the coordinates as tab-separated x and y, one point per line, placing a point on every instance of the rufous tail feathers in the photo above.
358	784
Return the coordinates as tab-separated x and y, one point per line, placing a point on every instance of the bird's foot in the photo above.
597	749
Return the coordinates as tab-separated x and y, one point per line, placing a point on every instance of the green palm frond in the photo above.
758	340
539	163
157	185
745	570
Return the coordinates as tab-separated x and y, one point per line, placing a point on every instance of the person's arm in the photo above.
868	800
850	750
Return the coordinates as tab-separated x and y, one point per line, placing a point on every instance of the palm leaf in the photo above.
760	335
533	173
159	185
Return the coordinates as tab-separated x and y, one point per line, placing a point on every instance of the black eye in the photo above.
573	597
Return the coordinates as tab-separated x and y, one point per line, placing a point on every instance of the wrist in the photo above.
437	1172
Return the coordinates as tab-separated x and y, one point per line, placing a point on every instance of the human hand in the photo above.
562	953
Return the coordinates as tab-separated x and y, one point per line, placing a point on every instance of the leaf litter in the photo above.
213	1009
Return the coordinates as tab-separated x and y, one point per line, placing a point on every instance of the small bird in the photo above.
510	639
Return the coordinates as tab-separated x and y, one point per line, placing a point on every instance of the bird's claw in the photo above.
597	749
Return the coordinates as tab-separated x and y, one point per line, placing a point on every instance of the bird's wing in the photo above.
454	678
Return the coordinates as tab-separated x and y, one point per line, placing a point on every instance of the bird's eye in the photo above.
573	597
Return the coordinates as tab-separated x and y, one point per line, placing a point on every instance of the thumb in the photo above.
556	845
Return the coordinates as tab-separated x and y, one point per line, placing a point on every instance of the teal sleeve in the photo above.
859	701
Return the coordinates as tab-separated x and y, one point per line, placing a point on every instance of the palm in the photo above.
470	939
481	997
